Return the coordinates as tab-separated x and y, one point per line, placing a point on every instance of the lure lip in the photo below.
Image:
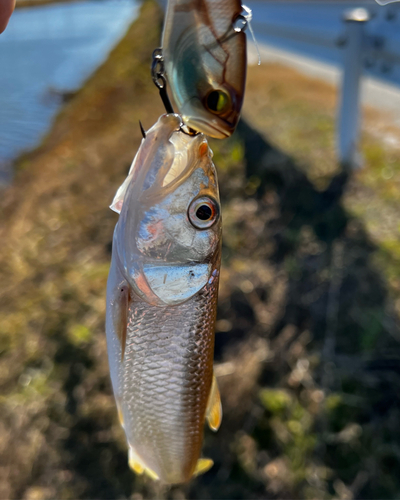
213	125
205	127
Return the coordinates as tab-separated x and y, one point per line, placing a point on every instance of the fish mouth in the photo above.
207	128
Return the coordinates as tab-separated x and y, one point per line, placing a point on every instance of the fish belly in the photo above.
163	382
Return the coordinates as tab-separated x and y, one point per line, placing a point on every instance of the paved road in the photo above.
375	93
304	34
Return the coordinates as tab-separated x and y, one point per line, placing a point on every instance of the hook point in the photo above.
142	130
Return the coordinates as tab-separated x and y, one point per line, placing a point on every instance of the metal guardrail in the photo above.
294	34
364	51
349	108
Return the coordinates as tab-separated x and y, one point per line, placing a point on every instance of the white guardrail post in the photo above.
349	112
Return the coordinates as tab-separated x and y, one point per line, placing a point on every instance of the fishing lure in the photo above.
161	302
204	52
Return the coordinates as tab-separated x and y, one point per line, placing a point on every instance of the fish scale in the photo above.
164	422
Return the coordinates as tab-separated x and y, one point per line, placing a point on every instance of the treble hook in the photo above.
142	130
159	80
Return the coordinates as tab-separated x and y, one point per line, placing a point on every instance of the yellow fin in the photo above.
202	466
120	414
214	407
136	464
152	475
136	467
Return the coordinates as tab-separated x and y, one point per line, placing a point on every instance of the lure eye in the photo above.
203	212
218	101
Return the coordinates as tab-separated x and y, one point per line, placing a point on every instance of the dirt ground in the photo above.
307	342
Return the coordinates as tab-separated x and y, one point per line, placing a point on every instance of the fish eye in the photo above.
218	101
203	212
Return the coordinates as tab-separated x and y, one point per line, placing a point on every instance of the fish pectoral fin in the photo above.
120	314
202	466
214	407
136	464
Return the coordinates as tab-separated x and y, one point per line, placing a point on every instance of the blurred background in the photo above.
307	339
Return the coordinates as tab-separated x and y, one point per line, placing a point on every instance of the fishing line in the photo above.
248	17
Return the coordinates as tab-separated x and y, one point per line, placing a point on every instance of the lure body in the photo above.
161	302
205	63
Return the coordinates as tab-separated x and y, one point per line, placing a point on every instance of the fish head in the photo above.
208	105
169	230
205	65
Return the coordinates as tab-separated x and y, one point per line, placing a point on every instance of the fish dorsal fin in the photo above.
202	466
214	407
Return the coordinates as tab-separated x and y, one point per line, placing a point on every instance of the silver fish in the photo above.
205	62
161	302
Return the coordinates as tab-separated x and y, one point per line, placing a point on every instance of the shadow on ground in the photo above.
318	414
305	353
318	417
307	356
